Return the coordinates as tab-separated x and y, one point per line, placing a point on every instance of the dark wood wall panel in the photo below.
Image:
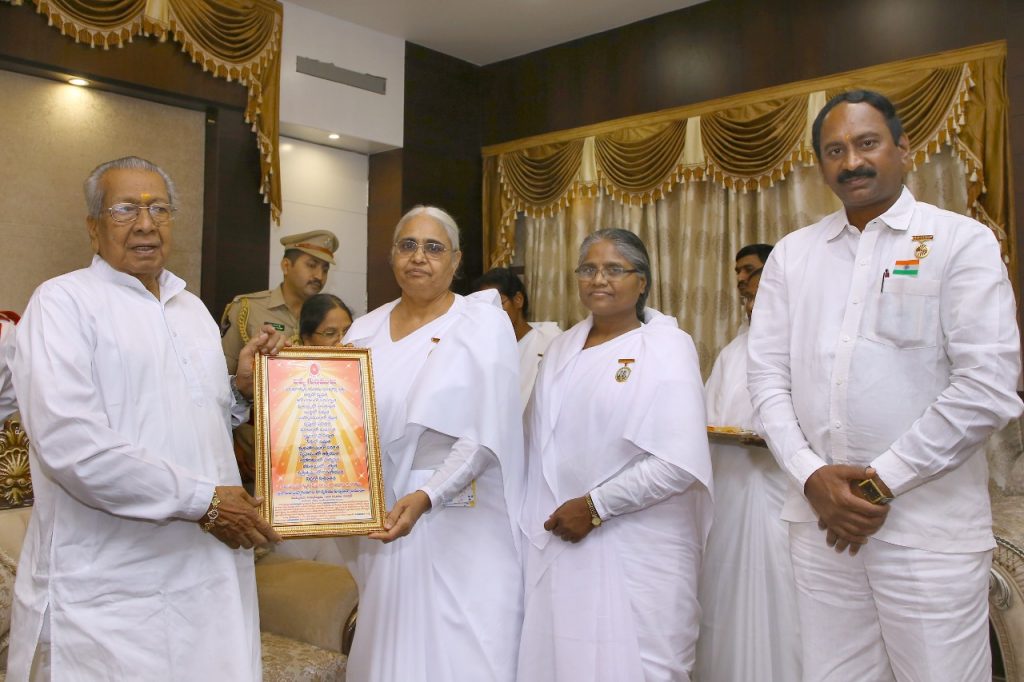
439	164
722	48
383	212
236	222
441	145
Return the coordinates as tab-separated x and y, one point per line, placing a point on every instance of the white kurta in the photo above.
127	404
749	626
444	604
531	349
621	605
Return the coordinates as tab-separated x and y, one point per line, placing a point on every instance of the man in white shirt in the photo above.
728	402
749	622
883	352
131	567
533	337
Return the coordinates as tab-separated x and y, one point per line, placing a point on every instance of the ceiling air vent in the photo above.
330	72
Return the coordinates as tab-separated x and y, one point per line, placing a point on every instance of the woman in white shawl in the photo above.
440	591
618	498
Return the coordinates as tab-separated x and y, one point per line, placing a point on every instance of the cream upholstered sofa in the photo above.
307	608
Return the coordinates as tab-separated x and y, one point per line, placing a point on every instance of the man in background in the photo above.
307	259
749	621
533	337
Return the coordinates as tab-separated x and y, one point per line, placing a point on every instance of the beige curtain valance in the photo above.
239	40
750	142
755	145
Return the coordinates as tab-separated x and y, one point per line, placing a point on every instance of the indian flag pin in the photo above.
906	268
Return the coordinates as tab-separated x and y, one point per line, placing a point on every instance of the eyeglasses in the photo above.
431	249
129	213
612	273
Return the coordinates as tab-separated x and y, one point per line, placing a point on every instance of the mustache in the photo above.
317	282
846	175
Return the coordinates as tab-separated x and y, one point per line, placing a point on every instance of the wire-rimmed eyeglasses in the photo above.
128	213
612	273
431	249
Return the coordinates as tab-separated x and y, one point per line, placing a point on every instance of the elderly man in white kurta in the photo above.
126	398
883	352
749	626
618	486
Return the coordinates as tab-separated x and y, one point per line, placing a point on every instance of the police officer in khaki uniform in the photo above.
307	259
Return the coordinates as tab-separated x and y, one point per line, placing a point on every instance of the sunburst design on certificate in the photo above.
317	452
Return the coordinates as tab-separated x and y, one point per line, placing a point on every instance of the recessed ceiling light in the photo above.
333	136
78	81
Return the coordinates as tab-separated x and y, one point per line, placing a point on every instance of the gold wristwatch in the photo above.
595	520
873	492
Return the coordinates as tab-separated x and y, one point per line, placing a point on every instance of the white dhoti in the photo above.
749	622
931	610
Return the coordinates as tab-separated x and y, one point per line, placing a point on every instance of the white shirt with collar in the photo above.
908	373
126	400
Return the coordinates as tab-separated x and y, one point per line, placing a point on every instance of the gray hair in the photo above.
440	216
94	194
631	248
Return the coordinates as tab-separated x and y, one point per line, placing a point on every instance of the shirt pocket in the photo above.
906	314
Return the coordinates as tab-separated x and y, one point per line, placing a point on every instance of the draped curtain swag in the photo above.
750	142
238	40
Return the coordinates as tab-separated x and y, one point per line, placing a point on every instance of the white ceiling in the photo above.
487	31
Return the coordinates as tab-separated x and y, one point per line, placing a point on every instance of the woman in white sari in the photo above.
618	498
440	591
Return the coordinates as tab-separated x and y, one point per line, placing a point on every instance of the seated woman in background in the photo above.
618	501
323	321
440	591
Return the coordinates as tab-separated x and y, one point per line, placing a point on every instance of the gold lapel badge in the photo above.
623	372
922	249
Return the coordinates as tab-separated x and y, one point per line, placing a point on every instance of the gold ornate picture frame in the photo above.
318	464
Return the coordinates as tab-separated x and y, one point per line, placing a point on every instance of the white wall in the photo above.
325	189
312	102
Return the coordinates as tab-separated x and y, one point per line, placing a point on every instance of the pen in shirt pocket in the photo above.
885	276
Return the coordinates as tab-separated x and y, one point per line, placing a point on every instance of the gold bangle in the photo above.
212	513
595	519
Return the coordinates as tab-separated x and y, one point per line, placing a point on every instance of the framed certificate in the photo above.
317	452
